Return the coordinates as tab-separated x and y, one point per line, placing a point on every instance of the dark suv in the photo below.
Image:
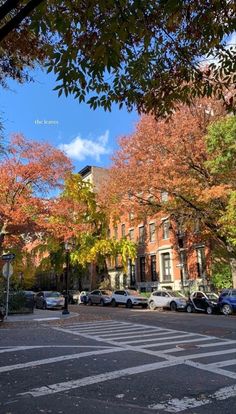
227	301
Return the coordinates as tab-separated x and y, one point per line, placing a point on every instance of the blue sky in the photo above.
88	137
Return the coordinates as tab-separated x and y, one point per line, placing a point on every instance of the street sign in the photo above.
7	270
8	256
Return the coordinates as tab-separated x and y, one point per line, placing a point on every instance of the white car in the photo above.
129	298
174	300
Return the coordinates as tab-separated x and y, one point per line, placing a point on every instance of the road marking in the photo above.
99	328
179	349
61	358
118	331
206	354
223	363
170	339
177	405
95	379
26	348
154	336
224	342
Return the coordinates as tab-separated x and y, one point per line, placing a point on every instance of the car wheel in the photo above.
173	306
129	304
189	308
209	310
152	305
226	309
113	303
90	302
102	302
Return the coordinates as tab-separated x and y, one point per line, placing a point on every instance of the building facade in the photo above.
166	258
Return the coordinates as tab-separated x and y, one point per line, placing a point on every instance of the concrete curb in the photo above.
39	316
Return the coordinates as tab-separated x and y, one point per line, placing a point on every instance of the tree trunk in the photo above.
233	271
3	233
93	275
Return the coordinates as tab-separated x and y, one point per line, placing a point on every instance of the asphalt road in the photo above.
122	361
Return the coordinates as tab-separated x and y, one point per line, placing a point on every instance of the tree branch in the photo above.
7	7
17	19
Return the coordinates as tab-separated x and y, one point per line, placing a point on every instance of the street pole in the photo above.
8	287
65	310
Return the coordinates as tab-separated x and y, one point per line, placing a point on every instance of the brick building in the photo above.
166	257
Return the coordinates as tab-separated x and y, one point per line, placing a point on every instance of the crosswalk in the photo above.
109	353
204	352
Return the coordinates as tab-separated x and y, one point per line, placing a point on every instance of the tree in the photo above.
77	216
29	171
221	145
183	159
18	56
146	55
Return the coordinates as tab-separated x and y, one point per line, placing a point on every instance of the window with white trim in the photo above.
166	267
152	232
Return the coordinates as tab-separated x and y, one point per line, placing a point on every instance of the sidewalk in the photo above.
40	315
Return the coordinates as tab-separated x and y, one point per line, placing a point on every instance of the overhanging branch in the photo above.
17	19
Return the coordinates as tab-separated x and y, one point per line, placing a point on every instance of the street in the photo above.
120	361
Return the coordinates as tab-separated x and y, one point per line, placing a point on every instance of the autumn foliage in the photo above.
29	172
176	157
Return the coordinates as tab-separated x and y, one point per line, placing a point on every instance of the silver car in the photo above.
174	300
99	297
49	300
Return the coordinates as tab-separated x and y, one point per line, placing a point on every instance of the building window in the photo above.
142	269
131	270
117	281
131	216
165	229
201	262
116	232
164	196
131	234
153	268
122	230
166	267
152	232
141	234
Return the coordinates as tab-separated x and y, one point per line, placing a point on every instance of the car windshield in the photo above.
133	293
106	292
177	294
52	294
212	295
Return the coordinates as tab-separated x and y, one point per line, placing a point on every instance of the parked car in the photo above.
129	298
203	302
29	299
227	301
73	296
49	300
84	297
173	300
2	312
99	297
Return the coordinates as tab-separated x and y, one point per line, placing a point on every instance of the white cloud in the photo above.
230	42
80	149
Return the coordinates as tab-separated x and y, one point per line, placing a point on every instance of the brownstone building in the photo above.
166	258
